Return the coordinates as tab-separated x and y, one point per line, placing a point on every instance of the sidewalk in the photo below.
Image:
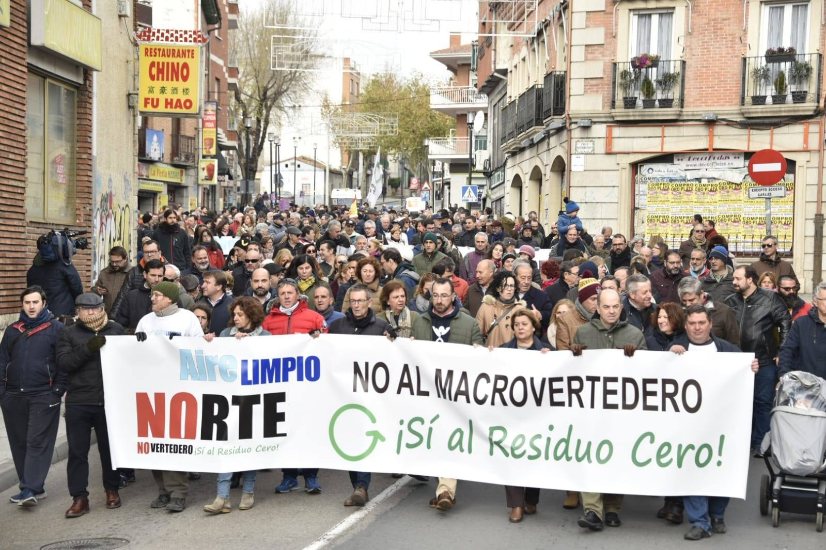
8	476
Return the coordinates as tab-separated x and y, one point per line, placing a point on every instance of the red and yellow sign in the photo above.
170	79
208	172
209	133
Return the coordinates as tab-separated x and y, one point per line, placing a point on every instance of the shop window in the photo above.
51	151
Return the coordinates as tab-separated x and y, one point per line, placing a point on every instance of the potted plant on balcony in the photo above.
645	61
761	77
799	74
648	92
628	80
780	55
780	89
666	83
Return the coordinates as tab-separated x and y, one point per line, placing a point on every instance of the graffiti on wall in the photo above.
112	224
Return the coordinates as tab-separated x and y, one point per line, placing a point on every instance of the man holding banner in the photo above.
704	513
446	322
607	331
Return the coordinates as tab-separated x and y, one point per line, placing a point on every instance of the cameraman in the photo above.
53	271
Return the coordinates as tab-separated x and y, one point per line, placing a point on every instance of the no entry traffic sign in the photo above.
767	167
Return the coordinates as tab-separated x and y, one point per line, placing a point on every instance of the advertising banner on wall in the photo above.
656	423
208	172
170	79
209	133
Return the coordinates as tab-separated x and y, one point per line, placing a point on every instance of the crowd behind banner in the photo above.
451	276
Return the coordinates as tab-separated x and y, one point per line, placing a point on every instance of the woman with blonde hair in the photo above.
562	307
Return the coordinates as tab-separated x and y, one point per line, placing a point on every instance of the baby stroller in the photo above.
794	450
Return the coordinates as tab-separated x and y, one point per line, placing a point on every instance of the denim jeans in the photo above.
360	479
224	481
764	383
700	510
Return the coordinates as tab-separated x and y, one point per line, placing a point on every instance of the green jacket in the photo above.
463	329
594	335
423	263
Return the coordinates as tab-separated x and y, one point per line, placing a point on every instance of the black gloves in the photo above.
96	342
629	350
577	349
141	336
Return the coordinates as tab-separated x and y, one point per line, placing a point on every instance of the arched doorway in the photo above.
515	196
533	197
556	188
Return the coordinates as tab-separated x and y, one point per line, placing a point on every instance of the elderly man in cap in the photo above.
78	352
293	242
167	319
430	256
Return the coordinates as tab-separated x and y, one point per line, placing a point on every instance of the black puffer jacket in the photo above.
372	325
136	304
81	365
760	317
27	357
61	283
174	244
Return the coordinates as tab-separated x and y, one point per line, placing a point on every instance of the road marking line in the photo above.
767	167
355	517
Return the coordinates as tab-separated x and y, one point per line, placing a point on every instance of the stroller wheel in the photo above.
775	516
764	495
819	522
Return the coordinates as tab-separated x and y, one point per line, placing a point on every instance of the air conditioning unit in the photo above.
479	158
124	8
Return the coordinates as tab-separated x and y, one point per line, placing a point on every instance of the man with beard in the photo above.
200	263
787	289
719	282
620	253
664	281
395	267
638	303
446	322
260	287
424	262
770	260
764	323
698	265
112	277
241	275
805	347
360	319
173	242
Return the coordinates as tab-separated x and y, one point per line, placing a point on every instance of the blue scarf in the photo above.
29	323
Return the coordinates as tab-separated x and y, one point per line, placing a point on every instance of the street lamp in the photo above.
247	162
295	159
315	150
469	148
271	139
278	171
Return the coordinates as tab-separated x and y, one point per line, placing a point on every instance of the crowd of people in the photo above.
451	276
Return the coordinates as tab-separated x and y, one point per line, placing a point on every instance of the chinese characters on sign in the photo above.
169	79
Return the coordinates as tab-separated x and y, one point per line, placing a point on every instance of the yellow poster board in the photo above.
170	79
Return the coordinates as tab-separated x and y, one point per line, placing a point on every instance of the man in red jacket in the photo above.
292	315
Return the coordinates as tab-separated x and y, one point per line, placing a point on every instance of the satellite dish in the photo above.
479	121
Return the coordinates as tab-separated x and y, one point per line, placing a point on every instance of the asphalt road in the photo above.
401	520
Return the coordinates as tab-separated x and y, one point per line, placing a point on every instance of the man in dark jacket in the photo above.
394	267
620	253
59	280
241	275
664	281
770	260
638	303
719	282
535	300
764	323
78	352
173	241
214	290
137	301
31	385
568	279
476	291
134	277
723	322
360	319
805	346
704	513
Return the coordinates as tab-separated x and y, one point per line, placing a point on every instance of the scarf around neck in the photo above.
304	284
289	310
41	318
166	312
95	322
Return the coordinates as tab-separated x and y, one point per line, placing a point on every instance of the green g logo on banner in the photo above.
374	435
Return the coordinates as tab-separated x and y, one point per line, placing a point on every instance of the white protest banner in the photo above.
226	243
656	423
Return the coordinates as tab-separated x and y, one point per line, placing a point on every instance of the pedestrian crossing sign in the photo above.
470	193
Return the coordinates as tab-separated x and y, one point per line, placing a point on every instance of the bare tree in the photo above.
275	58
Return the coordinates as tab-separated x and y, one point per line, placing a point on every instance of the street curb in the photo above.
8	475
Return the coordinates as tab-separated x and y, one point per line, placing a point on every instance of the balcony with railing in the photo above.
553	94
454	148
529	112
648	88
786	83
508	125
455	100
183	150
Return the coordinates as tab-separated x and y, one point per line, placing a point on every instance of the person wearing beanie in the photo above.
78	352
570	217
429	256
168	320
527	250
720	281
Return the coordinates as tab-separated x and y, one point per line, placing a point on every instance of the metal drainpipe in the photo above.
817	264
569	37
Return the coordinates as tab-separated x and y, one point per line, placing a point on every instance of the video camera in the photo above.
61	245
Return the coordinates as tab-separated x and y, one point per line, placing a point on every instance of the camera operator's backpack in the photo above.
54	246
